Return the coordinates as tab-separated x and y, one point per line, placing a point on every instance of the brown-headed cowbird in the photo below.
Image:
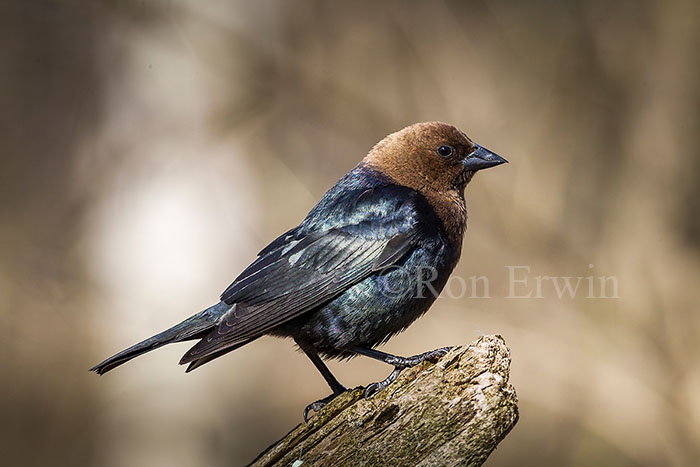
352	273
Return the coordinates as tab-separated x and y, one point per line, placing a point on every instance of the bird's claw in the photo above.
375	387
318	405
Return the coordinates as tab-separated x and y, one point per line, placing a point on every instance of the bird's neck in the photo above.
451	209
449	205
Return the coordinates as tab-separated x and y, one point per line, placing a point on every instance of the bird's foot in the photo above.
404	362
321	403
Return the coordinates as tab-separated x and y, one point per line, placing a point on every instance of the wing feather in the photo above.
304	283
308	266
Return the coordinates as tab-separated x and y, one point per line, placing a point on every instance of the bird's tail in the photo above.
193	327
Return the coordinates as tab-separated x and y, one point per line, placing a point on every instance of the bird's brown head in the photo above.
431	157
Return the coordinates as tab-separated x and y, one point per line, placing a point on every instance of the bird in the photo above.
368	260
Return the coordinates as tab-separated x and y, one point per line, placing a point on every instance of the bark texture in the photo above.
453	412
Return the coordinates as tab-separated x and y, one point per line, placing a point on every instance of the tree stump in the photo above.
453	412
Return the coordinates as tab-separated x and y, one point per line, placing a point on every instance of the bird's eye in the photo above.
445	151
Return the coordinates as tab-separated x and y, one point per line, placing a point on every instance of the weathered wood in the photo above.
453	412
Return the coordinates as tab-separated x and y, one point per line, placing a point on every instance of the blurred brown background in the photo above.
150	149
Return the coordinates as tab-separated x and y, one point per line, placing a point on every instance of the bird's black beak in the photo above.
482	158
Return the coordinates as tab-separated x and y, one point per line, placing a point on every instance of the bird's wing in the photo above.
303	271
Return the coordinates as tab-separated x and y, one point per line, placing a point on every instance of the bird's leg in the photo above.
334	384
399	364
